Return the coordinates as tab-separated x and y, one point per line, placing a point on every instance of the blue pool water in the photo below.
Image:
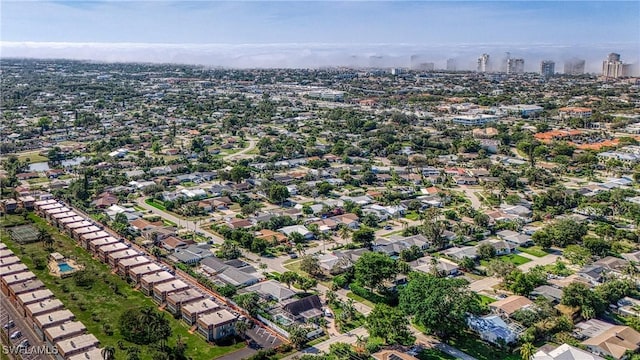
64	267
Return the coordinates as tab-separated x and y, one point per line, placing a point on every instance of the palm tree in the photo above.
108	353
300	249
45	237
361	342
527	350
345	233
133	353
241	328
331	296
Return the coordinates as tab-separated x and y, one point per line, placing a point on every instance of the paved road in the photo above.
239	154
487	284
9	312
348	338
471	195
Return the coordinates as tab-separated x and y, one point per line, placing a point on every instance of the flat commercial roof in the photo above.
18	278
109	248
95	235
134	261
13	269
27	286
64	330
78	343
43	307
198	307
48	320
157	277
9	260
92	354
217	318
36	296
144	269
175	285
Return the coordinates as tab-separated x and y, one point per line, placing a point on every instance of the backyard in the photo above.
99	305
534	250
474	346
512	258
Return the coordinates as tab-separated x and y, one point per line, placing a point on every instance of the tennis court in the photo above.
24	234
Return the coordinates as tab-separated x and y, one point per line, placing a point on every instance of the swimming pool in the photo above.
64	267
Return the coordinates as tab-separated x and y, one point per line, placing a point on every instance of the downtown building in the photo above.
483	63
547	68
574	67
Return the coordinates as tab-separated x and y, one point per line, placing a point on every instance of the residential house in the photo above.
493	329
444	266
459	253
552	293
502	247
615	342
304	309
514	238
300	229
508	306
240	276
192	254
271	290
389	354
593	273
271	236
564	352
349	220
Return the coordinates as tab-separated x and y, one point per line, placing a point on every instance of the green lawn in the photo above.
534	250
412	215
156	204
472	345
484	300
393	233
360	299
32	156
515	259
295	267
102	304
512	258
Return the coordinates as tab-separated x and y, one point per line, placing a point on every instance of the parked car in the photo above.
15	335
24	343
9	325
293	255
388	227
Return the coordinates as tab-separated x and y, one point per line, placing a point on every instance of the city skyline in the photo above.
317	34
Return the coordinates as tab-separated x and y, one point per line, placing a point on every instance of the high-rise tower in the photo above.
613	67
547	68
483	63
574	67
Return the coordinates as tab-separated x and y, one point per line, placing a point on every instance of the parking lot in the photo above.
263	339
9	313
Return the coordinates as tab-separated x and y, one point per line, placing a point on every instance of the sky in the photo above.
318	33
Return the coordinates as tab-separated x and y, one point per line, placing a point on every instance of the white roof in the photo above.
565	352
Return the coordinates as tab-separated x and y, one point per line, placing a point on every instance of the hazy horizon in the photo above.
312	34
